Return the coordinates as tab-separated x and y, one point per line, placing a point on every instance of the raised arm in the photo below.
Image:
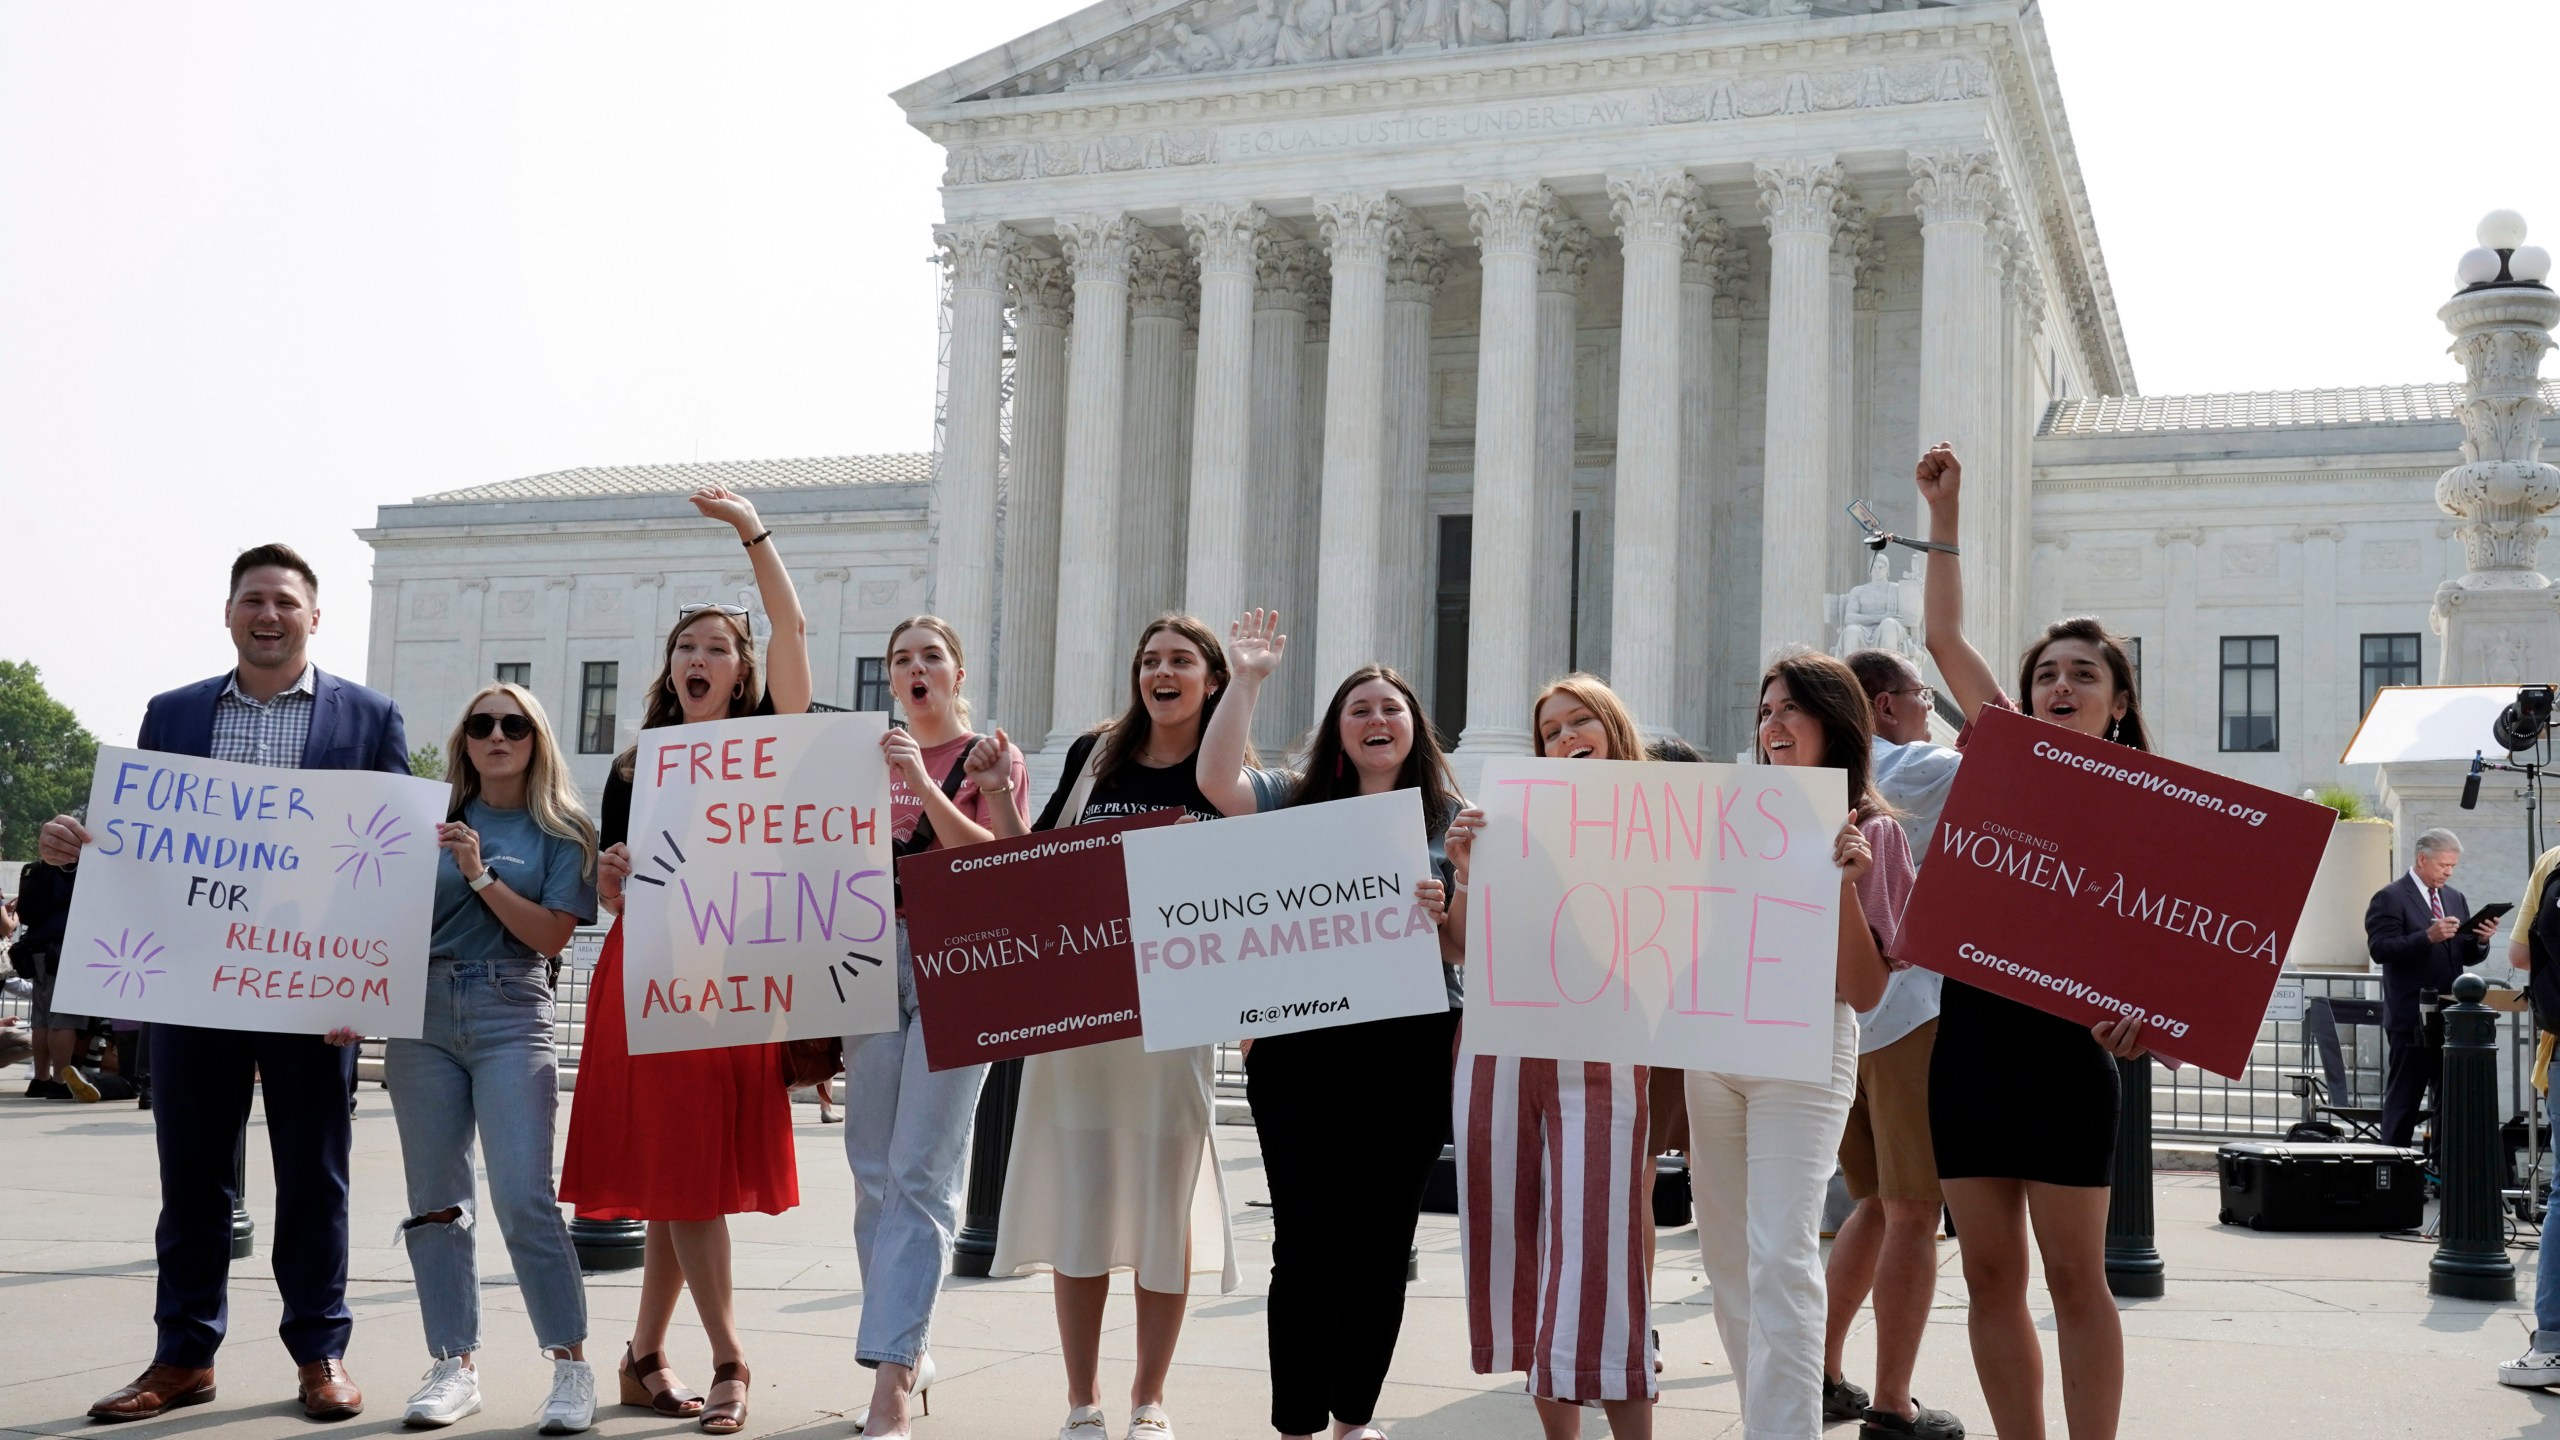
1969	679
1254	647
786	660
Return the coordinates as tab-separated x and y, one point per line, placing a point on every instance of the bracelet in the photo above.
760	539
1005	789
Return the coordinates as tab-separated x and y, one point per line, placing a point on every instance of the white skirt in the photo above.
1115	1167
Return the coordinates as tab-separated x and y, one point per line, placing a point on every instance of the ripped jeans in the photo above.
484	1061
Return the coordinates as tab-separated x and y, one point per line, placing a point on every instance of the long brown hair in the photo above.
1328	775
1596	696
550	794
1126	734
2090	630
950	641
1828	690
662	706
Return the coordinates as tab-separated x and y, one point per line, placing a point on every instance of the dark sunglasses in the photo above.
515	727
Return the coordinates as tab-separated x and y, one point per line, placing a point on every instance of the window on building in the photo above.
1449	628
515	672
2248	692
595	707
2388	660
871	683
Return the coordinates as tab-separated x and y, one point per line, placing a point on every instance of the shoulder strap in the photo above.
920	839
1073	812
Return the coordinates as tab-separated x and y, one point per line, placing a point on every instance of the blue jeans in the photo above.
906	1135
2546	1283
484	1058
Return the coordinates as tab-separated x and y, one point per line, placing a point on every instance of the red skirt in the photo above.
688	1135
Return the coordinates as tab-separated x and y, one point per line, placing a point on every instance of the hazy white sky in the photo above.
264	267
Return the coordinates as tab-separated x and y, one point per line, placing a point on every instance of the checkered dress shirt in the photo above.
271	734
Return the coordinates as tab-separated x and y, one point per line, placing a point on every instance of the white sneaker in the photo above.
571	1406
451	1391
1085	1422
1150	1423
2539	1368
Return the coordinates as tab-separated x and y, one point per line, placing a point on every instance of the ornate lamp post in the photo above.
2495	620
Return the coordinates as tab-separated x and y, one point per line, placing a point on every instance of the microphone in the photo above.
2471	784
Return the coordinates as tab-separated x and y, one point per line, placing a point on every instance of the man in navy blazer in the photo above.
274	708
2418	929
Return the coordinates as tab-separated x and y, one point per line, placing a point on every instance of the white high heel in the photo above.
922	1389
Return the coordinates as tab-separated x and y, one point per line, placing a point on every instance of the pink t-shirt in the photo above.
906	807
1886	887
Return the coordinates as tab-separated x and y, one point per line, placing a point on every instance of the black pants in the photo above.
201	1107
1352	1120
2413	1061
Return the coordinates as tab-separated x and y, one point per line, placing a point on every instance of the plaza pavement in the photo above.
2260	1336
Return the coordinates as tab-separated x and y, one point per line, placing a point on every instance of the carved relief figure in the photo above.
1195	50
1363	28
1306	35
1614	17
1257	35
1423	25
1556	19
1483	22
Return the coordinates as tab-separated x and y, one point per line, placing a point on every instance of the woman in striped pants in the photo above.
1555	1191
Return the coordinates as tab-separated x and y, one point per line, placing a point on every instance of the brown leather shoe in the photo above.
162	1387
328	1392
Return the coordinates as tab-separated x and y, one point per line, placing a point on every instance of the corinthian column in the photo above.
1509	220
1278	462
1097	248
1800	199
1701	253
1845	565
975	253
1151	499
1360	229
1227	239
1652	209
1952	190
1026	668
1414	270
1564	259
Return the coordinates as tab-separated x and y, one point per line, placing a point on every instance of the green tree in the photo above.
45	759
427	762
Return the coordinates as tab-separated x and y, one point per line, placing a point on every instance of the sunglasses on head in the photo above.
687	612
514	727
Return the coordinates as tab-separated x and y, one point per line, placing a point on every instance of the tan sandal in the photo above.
666	1396
727	1413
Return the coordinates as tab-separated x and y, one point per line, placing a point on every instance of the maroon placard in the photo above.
1022	945
2095	881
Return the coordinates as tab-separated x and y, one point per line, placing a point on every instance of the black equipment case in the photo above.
2321	1187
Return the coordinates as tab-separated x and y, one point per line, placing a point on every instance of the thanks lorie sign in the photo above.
1656	913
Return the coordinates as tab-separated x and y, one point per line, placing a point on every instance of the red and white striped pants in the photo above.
1555	1191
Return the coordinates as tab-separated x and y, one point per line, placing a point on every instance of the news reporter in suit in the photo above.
2418	929
273	708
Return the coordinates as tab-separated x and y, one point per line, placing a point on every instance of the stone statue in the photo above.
1362	28
1306	32
1257	35
1483	22
1195	50
1615	17
1556	19
1423	25
1882	614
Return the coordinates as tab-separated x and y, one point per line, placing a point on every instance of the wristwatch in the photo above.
483	880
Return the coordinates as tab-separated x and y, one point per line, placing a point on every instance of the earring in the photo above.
738	691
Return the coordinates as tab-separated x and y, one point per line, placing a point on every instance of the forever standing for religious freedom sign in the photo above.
2095	881
245	898
1294	920
1656	913
760	906
1022	945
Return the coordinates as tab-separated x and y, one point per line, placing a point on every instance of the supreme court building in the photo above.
1492	338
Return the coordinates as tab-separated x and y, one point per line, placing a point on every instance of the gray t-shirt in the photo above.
534	863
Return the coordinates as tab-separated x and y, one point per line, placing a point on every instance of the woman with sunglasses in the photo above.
687	1139
516	878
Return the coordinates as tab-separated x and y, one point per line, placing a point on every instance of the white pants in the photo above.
1761	1154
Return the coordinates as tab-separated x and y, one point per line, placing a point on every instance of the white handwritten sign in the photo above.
1295	920
1658	913
244	898
760	906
